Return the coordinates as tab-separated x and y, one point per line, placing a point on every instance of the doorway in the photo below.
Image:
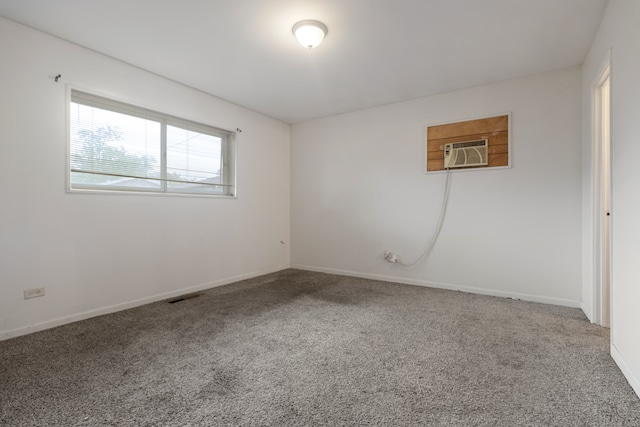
602	198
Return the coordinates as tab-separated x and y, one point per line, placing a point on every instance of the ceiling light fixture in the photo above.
309	33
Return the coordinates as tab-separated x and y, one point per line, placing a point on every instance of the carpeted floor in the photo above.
298	348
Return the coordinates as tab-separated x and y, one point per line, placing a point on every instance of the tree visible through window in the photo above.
115	146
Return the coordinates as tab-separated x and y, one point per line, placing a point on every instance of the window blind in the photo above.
116	146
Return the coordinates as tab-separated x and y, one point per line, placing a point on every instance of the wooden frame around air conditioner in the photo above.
495	128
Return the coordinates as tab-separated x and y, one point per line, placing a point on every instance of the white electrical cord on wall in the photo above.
393	258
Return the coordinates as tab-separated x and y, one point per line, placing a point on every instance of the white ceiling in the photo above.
376	52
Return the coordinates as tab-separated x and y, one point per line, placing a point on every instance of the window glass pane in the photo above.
194	162
114	150
116	146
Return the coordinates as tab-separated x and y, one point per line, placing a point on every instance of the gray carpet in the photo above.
298	348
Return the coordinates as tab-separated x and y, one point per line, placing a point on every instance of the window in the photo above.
119	147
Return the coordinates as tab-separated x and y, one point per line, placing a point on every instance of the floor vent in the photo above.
183	298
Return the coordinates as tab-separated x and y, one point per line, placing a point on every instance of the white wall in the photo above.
98	253
358	188
620	34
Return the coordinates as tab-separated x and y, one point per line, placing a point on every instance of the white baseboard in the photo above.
12	333
634	381
159	297
587	312
438	285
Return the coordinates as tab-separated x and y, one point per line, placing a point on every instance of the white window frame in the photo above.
228	147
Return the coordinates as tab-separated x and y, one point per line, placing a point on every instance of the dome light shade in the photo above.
309	33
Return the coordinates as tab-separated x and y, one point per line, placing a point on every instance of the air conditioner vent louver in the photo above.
465	153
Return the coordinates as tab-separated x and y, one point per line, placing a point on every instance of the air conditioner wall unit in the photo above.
466	153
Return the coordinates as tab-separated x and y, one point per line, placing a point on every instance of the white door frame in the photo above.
602	288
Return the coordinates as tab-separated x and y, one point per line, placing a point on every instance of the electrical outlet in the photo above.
33	292
390	257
